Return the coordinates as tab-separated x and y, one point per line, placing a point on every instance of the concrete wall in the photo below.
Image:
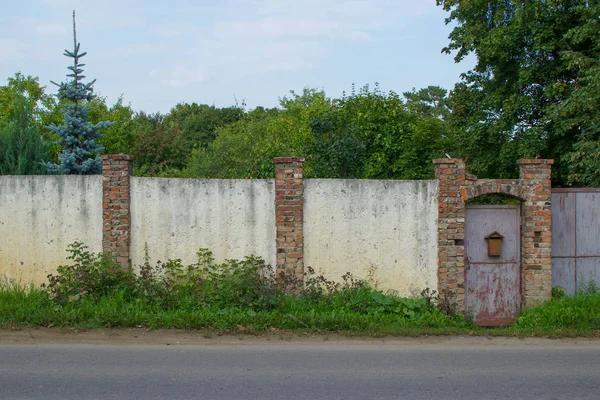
176	217
40	216
385	228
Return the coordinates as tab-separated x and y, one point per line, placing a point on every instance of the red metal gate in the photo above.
492	264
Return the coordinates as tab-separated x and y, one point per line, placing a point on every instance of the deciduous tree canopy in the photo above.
534	90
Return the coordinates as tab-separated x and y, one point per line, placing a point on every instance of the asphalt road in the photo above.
367	370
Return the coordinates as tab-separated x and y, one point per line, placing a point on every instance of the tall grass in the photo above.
92	292
579	313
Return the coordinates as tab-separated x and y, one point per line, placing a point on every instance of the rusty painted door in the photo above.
492	283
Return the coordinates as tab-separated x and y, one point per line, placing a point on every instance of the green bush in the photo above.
89	275
245	295
247	284
558	292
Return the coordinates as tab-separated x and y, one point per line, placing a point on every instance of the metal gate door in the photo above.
575	238
492	264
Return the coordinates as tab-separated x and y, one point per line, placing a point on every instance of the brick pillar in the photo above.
289	213
451	175
116	217
536	232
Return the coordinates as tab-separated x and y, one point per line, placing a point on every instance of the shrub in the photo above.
558	292
247	286
89	275
247	283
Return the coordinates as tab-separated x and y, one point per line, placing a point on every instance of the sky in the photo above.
157	53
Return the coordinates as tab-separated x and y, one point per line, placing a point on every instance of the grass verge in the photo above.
30	307
245	296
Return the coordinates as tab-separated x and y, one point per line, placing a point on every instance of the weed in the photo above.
446	302
575	312
558	292
587	286
244	296
89	274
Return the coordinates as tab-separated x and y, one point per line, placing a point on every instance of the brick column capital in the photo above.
448	161
535	161
286	160
116	217
535	169
117	157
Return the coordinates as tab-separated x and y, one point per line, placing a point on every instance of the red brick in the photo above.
533	189
289	193
116	171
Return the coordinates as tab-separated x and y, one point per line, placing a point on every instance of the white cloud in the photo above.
293	35
220	44
59	3
12	50
361	12
51	28
39	26
179	76
172	29
145	50
96	15
290	28
286	57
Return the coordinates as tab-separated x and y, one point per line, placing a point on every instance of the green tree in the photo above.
245	149
199	122
80	153
26	91
515	101
22	147
235	152
368	134
23	91
159	149
431	101
337	149
399	144
121	136
578	115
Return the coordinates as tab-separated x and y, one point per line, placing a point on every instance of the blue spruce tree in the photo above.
80	152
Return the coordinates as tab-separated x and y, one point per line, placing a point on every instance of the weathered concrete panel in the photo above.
40	216
382	230
176	217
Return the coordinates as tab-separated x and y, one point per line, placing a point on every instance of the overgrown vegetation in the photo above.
21	145
245	295
91	291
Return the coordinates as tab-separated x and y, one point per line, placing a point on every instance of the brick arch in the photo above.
483	187
533	188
